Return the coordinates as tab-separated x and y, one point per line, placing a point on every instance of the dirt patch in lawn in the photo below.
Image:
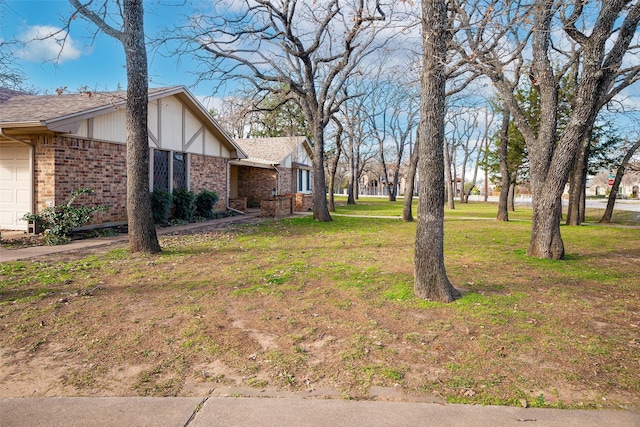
298	307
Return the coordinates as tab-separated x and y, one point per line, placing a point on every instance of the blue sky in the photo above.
97	64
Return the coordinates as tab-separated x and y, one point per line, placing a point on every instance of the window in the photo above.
300	188
161	170
304	181
169	170
179	170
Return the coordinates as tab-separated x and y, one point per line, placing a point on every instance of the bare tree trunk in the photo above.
393	193
576	178
333	166
449	185
583	194
385	173
142	232
431	281
511	198
320	205
407	214
608	212
352	189
546	241
503	210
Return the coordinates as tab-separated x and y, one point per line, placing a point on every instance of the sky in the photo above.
85	62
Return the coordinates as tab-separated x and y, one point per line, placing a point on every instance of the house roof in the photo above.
272	150
5	93
64	112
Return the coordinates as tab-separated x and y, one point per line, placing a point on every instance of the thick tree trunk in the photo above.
407	214
142	232
320	205
576	184
546	241
503	211
608	212
431	280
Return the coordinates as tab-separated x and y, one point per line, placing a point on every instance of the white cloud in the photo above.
47	43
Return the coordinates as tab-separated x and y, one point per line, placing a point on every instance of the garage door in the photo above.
15	186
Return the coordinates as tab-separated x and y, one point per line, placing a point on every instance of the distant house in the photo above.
274	166
598	185
51	145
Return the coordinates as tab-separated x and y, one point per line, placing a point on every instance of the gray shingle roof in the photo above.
5	94
34	108
272	150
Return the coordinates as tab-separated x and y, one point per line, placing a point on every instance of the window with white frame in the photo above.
304	181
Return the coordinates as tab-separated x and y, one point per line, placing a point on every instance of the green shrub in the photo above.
161	206
204	203
59	221
184	204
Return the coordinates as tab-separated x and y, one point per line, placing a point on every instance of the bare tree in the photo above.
303	51
449	151
495	39
505	179
11	76
407	214
606	217
352	115
236	116
333	160
392	115
142	232
431	281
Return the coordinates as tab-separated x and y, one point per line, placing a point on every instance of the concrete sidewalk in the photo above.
7	255
265	412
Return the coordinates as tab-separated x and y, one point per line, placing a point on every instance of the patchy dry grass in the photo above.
327	308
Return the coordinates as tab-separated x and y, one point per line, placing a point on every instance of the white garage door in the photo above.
15	186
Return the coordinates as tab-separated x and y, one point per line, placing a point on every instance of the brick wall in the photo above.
255	183
258	184
285	178
64	164
209	173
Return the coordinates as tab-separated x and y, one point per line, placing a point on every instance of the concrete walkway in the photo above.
266	412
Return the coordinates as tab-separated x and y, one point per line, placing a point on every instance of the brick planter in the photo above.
277	207
239	204
304	202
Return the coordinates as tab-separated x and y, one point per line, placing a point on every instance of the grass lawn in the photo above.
328	309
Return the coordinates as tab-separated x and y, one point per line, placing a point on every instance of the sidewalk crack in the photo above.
196	410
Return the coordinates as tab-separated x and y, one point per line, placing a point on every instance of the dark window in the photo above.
300	181
308	180
161	170
179	170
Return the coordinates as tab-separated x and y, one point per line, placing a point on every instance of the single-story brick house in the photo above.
51	145
274	166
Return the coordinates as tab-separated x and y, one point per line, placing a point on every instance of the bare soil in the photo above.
187	324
